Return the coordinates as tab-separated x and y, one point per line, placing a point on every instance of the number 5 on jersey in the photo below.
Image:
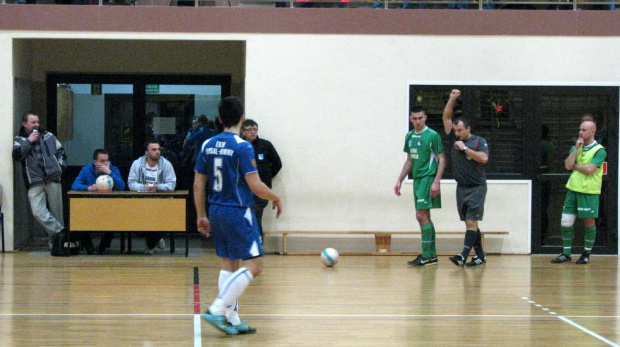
217	174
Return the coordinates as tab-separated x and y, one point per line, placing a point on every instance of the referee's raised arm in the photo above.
449	110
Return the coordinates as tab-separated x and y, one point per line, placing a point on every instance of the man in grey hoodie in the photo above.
43	160
151	173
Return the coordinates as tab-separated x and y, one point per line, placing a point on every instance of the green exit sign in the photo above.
152	88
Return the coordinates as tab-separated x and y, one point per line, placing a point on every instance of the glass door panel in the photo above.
170	110
92	116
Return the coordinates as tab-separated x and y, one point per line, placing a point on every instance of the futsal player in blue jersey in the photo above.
226	163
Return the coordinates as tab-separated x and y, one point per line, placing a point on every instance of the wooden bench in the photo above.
383	239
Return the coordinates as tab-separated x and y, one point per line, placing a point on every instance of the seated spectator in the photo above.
150	173
86	182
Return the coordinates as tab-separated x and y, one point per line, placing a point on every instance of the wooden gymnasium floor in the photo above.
141	300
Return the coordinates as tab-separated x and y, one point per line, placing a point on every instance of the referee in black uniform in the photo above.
469	155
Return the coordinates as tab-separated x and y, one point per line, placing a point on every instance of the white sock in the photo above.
231	290
232	315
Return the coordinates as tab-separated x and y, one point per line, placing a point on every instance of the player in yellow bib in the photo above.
584	187
426	162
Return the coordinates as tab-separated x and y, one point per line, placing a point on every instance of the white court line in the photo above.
97	314
279	315
588	331
197	331
293	315
575	324
197	316
591	316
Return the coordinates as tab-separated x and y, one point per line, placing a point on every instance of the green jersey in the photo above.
423	148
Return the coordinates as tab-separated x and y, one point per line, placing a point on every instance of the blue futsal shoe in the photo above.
220	323
244	328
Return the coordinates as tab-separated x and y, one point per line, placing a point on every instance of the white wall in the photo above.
507	208
7	133
335	106
344	148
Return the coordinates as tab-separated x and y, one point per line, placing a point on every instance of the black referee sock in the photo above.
478	245
470	239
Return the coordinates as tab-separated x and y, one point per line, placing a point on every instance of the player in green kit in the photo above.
426	162
584	187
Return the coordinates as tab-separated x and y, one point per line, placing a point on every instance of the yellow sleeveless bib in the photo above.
582	183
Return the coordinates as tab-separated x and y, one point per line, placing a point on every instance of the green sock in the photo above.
427	234
590	236
567	240
433	247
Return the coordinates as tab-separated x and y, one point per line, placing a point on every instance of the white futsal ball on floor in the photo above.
104	183
329	257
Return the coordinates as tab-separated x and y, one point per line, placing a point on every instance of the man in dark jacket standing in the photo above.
43	160
267	161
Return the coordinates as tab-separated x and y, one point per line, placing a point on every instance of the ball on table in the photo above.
329	257
104	183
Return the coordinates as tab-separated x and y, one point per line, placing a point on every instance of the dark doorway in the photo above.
561	110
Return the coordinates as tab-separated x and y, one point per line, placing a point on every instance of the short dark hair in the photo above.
27	114
466	121
248	123
97	152
231	111
147	143
417	108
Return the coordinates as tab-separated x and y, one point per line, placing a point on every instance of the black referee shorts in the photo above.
470	202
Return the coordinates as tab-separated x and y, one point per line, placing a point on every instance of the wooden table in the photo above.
126	211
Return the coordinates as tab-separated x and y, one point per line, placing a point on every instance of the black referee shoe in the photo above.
458	260
476	261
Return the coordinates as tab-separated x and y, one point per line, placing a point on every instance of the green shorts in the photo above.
422	193
581	204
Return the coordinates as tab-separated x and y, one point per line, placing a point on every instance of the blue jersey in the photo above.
225	159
